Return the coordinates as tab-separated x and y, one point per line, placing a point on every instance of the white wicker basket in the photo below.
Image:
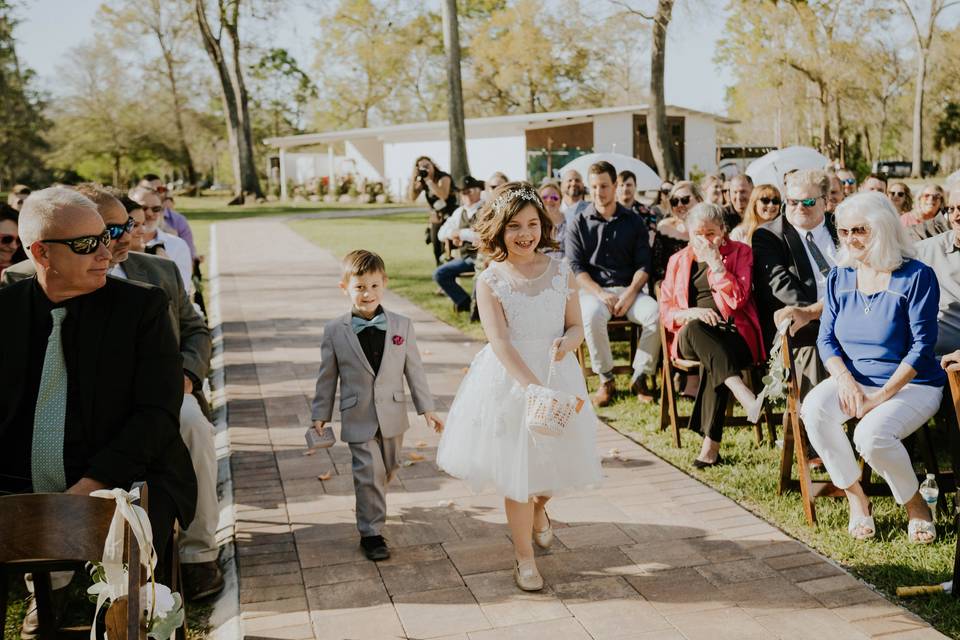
549	411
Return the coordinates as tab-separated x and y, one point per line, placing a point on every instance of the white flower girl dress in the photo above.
486	441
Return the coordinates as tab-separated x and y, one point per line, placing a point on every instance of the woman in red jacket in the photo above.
707	308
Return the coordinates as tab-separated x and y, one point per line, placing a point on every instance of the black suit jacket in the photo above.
782	275
129	382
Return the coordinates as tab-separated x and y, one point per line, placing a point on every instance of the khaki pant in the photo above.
199	542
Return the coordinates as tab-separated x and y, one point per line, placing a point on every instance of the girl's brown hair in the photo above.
505	203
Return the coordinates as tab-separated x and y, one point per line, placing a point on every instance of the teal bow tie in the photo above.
379	321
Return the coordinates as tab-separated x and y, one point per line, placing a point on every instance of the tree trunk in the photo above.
178	118
917	156
248	168
459	166
826	140
241	152
659	134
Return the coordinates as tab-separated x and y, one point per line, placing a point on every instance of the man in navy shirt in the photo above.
609	251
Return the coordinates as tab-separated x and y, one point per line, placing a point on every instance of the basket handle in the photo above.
553	364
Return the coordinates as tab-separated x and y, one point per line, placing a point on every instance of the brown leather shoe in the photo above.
604	393
639	389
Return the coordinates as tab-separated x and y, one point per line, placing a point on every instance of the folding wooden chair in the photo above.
45	532
795	450
670	415
619	330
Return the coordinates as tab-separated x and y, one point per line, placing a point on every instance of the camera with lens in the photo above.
423	173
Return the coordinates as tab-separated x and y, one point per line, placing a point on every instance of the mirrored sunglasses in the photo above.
848	180
806	202
551	197
84	245
116	230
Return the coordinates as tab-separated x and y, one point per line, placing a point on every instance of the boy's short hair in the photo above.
361	262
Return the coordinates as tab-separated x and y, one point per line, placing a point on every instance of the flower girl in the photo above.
529	311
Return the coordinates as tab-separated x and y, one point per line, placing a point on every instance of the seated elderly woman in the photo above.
877	337
764	206
707	307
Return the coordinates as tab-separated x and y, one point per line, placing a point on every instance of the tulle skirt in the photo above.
487	444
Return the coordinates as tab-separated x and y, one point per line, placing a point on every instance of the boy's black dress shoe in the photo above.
375	548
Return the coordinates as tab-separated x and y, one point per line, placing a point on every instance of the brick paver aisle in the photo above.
652	554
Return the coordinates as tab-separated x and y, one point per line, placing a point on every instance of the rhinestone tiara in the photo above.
523	193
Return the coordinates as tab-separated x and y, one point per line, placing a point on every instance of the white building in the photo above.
522	146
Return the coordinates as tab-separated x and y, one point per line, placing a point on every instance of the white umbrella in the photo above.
647	178
770	168
953	180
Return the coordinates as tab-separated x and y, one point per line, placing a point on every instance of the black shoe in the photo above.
201	580
700	464
463	307
375	548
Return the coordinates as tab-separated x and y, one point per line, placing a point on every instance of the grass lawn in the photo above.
750	478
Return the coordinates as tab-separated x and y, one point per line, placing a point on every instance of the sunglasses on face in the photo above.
855	232
806	202
116	230
156	209
952	209
84	245
767	201
897	194
930	196
685	200
7	238
848	180
550	197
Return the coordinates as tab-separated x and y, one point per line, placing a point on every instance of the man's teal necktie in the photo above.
50	415
378	321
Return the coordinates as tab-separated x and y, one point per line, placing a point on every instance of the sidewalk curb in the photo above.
225	617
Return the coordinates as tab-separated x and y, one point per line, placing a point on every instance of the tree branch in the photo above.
636	12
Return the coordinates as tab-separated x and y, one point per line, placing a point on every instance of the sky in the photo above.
49	28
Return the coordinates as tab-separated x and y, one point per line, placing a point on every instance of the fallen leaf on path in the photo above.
309	452
408	463
426	352
421	444
445	503
416	457
324	476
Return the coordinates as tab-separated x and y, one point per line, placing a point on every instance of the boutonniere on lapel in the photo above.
398	340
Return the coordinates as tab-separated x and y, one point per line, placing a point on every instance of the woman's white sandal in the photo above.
917	527
864	524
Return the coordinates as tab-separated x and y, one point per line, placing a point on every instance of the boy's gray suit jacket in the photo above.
369	402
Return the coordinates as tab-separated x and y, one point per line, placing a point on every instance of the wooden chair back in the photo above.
44	532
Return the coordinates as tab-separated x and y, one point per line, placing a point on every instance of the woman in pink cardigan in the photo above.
707	308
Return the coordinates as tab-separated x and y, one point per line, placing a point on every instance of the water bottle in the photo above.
930	492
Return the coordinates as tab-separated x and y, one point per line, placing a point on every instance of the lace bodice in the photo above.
534	307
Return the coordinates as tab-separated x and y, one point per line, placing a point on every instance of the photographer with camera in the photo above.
437	186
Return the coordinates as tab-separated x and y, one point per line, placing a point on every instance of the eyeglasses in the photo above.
765	201
951	209
930	196
685	200
156	209
848	180
116	230
552	197
856	232
806	202
897	194
8	238
84	245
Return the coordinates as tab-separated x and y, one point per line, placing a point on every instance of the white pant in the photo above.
644	311
199	542
877	436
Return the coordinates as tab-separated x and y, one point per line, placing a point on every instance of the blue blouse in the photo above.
874	334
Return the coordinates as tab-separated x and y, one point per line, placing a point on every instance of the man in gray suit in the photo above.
198	544
370	351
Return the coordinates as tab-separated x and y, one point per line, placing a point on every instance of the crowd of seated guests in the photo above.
106	368
865	278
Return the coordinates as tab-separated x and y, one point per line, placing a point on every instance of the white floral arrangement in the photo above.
163	608
775	382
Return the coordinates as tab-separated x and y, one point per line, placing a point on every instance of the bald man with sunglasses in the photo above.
91	372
